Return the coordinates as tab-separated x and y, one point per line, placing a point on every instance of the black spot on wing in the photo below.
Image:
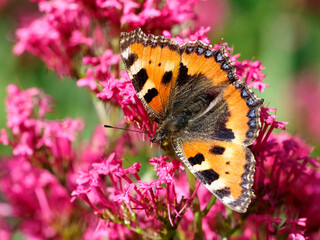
200	50
208	54
166	78
197	159
252	123
231	76
183	76
225	66
217	150
219	57
131	59
189	50
207	176
250	102
140	79
251	113
220	193
250	134
150	95
224	134
244	93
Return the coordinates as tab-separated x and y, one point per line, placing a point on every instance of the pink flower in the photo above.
88	81
57	36
4	137
26	112
251	72
101	70
305	96
297	236
188	35
33	194
214	13
121	92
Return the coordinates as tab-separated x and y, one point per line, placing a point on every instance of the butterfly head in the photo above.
171	126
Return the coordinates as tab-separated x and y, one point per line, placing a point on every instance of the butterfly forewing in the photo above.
199	59
153	64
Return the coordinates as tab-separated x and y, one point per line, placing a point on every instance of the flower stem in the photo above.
197	215
209	205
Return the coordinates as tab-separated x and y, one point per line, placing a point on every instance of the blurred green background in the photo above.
284	35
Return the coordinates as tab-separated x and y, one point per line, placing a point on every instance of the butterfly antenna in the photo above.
127	129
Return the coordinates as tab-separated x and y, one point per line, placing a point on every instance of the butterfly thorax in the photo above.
172	126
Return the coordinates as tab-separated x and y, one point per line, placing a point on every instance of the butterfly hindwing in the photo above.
153	64
225	168
243	113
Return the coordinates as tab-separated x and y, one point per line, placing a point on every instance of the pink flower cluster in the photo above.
31	132
118	194
42	159
57	36
67	28
285	179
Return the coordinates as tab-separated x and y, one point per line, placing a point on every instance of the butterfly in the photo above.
200	105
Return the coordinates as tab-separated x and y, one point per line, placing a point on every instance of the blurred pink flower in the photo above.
213	13
41	171
306	96
2	4
57	36
26	112
33	194
284	171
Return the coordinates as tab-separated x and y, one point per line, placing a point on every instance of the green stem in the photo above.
209	205
100	109
197	215
144	233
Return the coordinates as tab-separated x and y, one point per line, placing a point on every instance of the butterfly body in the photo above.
210	117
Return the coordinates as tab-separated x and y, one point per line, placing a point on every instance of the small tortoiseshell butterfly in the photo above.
210	117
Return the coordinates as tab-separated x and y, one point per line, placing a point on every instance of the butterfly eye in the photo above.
160	136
